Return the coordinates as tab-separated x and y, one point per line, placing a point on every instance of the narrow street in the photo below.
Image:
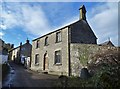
21	77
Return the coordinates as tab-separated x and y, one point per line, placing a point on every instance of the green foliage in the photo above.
106	77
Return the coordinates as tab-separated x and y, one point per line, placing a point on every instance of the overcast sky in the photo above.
22	20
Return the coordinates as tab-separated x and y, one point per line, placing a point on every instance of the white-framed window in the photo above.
58	37
37	59
58	57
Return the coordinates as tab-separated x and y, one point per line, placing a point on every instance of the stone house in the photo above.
24	50
4	47
51	52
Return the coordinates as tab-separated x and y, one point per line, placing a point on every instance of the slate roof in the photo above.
81	21
109	43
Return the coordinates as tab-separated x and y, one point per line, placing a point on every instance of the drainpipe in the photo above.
69	61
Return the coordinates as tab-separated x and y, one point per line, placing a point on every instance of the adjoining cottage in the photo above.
21	54
51	52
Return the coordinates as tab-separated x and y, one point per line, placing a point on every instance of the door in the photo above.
45	67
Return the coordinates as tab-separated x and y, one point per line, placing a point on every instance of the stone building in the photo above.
24	50
4	47
107	43
51	52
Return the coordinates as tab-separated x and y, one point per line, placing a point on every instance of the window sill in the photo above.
36	64
58	41
46	45
58	64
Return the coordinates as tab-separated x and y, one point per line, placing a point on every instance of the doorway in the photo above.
45	63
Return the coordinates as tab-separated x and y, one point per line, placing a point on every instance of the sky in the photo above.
22	20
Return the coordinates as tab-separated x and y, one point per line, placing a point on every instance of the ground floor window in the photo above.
58	57
36	59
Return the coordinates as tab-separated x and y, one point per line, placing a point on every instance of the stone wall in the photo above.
85	52
26	50
50	50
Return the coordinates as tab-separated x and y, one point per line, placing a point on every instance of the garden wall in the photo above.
82	54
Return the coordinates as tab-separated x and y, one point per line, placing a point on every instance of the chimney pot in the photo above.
27	41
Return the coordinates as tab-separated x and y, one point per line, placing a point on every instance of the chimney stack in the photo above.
12	45
20	43
82	13
27	41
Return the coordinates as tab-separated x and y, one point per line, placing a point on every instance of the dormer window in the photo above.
46	41
58	37
37	44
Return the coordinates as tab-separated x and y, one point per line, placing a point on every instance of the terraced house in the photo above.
18	54
51	52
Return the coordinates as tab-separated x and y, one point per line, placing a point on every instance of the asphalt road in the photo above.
21	77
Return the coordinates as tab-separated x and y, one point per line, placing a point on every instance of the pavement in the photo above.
21	77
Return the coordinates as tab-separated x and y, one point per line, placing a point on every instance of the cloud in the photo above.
105	22
103	19
35	20
9	20
31	18
9	16
3	27
1	34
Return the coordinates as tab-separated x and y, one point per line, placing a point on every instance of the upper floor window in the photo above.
46	41
58	57
58	37
36	59
37	44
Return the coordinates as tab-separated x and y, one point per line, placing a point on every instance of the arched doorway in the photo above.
45	62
